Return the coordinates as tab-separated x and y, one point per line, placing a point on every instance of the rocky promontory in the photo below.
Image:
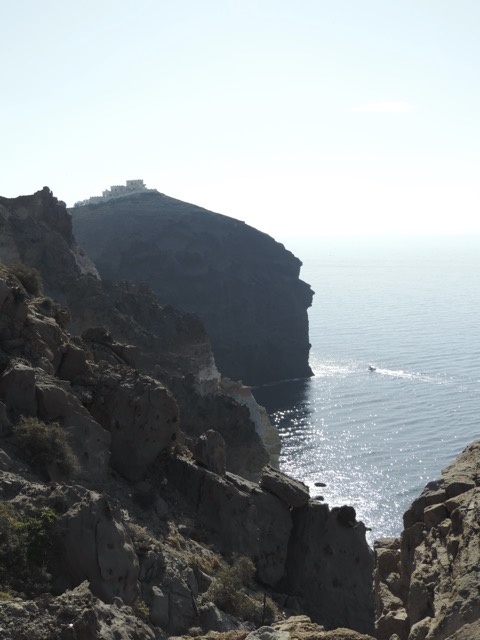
243	285
107	504
427	582
136	498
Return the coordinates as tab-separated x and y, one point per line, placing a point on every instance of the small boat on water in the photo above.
371	367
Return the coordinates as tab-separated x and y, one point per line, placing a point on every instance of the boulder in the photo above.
74	615
159	611
330	566
140	414
89	441
212	619
438	583
210	450
96	547
291	492
17	389
254	523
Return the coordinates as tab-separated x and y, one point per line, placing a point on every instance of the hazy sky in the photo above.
306	116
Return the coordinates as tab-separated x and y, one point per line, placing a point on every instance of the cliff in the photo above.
427	582
243	285
161	341
115	521
135	496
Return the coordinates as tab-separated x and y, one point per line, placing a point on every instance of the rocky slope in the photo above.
138	537
242	284
427	582
159	340
135	498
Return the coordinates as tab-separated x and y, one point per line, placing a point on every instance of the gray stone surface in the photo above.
243	284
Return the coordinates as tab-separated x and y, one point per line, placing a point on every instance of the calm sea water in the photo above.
411	308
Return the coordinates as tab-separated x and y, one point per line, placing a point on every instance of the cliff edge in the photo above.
427	582
243	285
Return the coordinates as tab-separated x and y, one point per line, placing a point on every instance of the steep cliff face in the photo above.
427	582
161	341
136	530
35	230
242	284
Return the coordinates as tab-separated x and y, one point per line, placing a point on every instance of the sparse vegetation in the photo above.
44	446
229	591
141	610
29	277
26	547
205	561
54	310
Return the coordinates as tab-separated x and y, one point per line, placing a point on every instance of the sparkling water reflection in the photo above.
376	438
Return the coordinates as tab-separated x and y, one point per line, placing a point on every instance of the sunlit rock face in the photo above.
427	582
243	284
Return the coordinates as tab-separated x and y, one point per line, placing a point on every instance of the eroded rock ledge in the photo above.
141	526
427	583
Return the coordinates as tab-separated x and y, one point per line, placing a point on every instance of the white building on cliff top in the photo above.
117	191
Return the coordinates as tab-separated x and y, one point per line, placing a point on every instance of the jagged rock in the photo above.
36	231
17	389
96	547
246	453
74	615
330	567
346	515
258	414
91	386
73	364
168	344
170	586
159	611
140	414
268	633
439	585
292	492
5	461
210	450
254	523
302	628
212	619
243	285
5	424
89	441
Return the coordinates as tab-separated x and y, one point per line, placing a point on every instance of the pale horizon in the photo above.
311	119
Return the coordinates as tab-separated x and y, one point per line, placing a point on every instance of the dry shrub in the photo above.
205	561
229	592
45	445
29	277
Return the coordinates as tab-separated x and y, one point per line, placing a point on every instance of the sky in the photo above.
305	117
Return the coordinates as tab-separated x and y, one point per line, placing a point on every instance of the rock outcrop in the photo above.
125	324
159	498
243	285
299	546
427	582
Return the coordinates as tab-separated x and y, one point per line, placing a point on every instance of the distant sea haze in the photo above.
410	307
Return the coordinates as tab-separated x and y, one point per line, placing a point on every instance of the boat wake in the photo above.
408	375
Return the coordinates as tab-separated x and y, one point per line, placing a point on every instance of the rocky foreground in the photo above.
136	498
427	583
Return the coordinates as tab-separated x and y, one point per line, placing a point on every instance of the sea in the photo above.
410	308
